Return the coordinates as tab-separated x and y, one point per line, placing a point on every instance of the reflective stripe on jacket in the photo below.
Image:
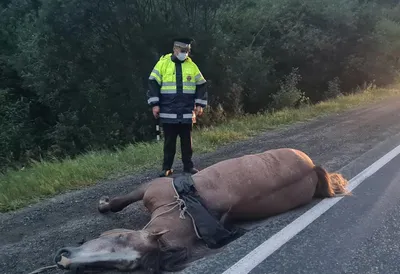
177	87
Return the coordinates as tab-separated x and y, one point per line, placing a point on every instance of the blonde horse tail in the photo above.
330	184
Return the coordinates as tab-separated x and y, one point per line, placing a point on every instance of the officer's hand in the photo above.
199	111
156	111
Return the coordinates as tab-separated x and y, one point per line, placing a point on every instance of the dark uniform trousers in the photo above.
171	132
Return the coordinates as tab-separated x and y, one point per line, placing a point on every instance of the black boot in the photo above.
190	170
166	173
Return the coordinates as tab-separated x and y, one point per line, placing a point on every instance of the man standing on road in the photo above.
177	93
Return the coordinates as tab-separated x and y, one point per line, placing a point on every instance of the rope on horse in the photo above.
42	269
179	202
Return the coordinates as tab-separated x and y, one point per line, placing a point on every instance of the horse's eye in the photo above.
123	237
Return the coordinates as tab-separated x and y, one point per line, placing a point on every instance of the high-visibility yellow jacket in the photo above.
177	87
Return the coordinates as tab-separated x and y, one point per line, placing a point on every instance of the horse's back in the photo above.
245	183
269	168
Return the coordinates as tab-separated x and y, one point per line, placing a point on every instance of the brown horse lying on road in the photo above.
189	210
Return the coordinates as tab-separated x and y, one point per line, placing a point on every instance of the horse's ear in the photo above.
155	235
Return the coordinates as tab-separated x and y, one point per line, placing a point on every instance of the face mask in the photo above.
182	56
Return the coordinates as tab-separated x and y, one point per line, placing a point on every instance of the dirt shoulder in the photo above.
30	237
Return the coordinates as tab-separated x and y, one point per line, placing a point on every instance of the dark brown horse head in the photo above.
123	250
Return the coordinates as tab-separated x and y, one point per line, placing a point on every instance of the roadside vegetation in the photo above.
73	78
43	179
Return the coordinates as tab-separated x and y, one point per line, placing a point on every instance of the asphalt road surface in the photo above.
351	142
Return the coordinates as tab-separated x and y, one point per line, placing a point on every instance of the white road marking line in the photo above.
259	254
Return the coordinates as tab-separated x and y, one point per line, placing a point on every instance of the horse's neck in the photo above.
181	231
159	194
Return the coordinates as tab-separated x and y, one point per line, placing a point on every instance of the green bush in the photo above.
74	74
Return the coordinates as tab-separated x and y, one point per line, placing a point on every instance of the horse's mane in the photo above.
169	259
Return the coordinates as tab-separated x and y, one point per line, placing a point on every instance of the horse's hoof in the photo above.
104	204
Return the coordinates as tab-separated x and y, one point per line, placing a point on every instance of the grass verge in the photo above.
44	179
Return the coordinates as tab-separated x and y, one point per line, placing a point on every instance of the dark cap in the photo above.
183	42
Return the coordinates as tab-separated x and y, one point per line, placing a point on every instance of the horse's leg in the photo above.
225	221
120	202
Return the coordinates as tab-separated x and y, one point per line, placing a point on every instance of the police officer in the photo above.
177	94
